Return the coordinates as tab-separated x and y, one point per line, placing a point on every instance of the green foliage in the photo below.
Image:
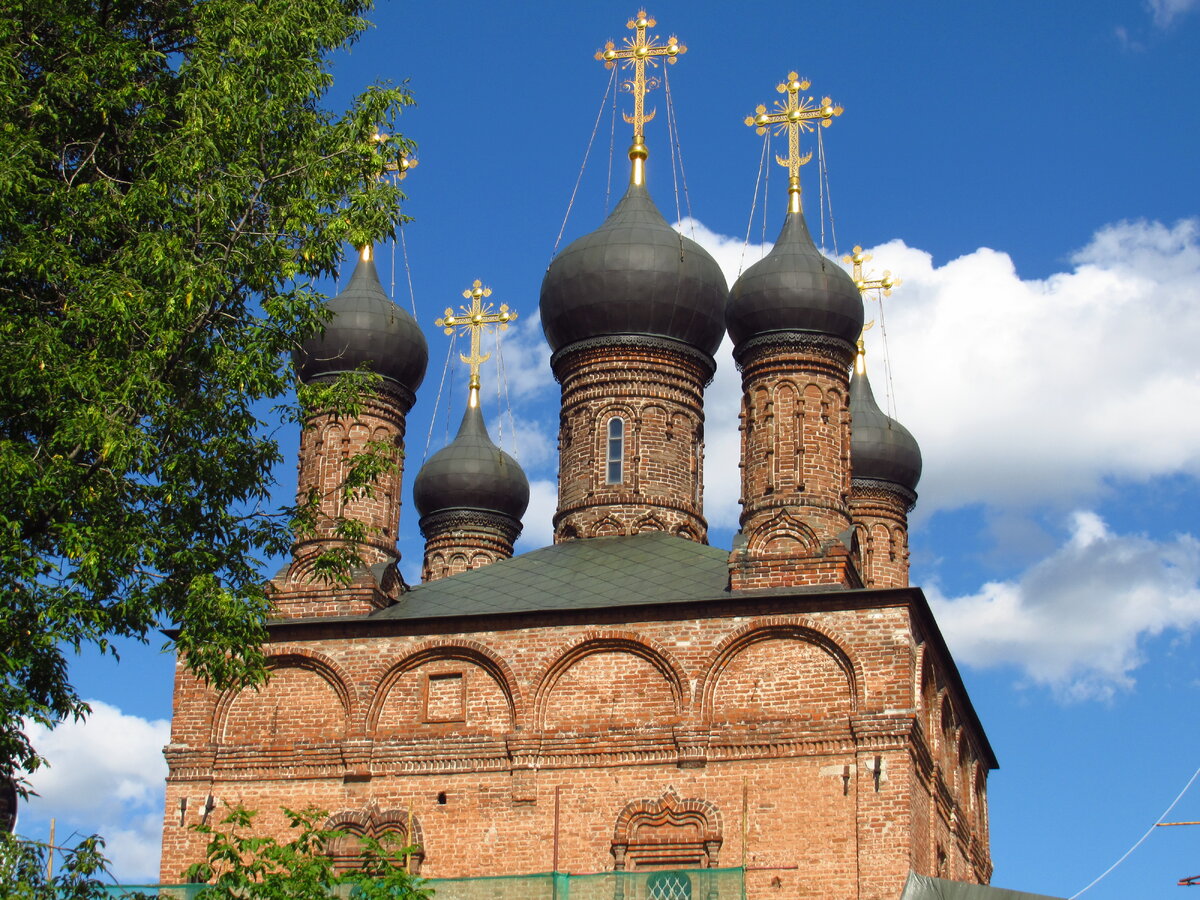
81	873
170	188
243	866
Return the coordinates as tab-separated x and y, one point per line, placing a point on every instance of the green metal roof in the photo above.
922	887
598	572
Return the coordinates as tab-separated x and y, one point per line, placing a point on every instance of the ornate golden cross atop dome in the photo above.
474	319
637	52
400	166
794	113
885	283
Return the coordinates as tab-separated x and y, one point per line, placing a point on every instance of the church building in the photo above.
629	698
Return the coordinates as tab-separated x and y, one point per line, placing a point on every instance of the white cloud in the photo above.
106	776
538	521
1165	12
1023	392
524	356
530	441
1074	621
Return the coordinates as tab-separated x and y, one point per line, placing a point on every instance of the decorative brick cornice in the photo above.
834	350
562	359
883	492
452	520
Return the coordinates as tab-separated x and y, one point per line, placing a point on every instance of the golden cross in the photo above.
474	319
638	51
795	115
402	165
885	283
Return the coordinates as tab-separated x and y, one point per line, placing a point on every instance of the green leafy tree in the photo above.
81	872
171	187
242	865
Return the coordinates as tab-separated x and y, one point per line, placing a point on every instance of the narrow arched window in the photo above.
616	451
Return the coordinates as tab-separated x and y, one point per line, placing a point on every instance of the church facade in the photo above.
629	698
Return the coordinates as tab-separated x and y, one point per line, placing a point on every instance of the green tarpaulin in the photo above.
922	887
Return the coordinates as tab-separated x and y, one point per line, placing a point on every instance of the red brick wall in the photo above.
657	390
787	707
460	540
795	430
881	519
327	445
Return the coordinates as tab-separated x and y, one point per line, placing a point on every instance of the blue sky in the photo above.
1030	171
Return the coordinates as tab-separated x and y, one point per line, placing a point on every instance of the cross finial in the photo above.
795	114
400	166
637	52
474	318
884	283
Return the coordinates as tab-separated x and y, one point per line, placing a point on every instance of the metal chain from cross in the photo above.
795	113
474	319
637	52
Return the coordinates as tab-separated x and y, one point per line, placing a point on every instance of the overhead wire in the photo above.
502	379
612	146
437	402
826	195
677	156
412	295
753	203
1141	840
583	166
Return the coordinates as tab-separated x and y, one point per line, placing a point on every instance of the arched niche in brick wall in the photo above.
948	750
783	534
391	827
609	682
928	693
442	686
667	833
305	701
780	671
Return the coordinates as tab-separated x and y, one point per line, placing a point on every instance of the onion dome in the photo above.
366	328
471	473
634	275
881	449
794	288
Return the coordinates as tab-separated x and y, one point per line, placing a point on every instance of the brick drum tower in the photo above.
628	700
633	313
366	329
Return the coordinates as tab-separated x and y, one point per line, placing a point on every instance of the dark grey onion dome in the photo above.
881	449
637	275
366	328
471	473
794	288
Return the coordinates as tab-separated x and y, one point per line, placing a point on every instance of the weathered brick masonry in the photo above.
837	719
654	389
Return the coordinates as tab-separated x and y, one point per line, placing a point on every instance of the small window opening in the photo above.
616	451
442	798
